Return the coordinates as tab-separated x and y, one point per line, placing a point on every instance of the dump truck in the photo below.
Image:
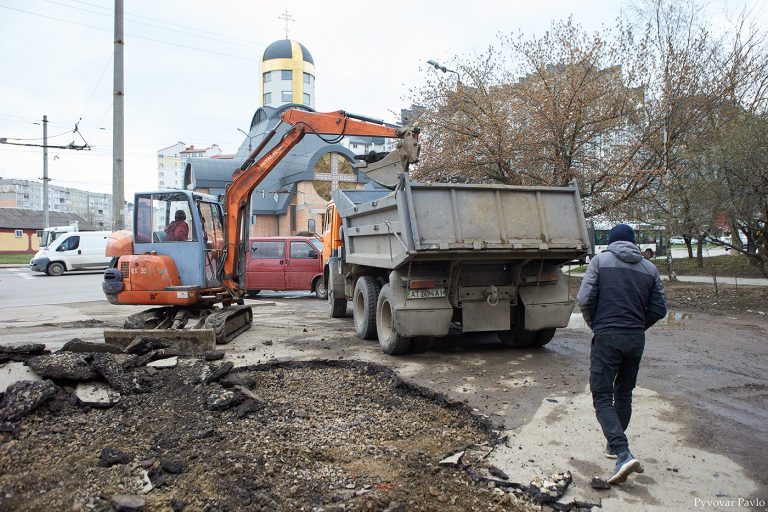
426	259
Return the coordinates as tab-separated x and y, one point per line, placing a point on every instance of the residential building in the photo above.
170	166
21	229
94	207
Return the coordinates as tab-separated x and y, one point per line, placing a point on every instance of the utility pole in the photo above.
46	220
118	125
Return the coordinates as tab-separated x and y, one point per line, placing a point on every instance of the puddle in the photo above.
673	319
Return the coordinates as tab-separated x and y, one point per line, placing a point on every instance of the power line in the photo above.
227	36
369	71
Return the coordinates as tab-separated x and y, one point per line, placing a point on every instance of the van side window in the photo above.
302	250
268	250
70	243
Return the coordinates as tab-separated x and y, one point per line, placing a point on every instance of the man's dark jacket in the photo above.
621	290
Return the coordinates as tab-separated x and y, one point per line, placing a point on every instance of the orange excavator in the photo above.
194	269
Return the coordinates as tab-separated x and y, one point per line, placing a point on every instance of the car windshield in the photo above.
317	244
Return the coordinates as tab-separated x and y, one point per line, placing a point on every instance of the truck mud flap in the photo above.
335	278
546	306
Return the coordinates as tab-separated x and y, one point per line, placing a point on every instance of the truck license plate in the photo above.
427	293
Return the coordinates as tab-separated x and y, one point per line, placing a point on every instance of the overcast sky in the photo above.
192	68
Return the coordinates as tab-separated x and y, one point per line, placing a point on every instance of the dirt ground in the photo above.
320	436
699	424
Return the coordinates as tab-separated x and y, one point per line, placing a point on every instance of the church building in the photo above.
292	198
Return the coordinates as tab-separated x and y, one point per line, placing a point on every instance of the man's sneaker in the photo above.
609	453
626	464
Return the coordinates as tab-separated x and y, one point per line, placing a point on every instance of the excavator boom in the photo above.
252	172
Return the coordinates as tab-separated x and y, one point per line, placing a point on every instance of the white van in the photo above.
79	250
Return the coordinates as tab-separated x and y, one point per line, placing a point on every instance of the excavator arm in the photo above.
253	172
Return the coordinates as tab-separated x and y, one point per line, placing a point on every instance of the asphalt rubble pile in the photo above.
144	429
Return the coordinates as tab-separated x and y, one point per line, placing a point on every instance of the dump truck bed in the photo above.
419	221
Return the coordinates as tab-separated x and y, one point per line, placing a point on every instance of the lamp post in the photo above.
250	139
444	69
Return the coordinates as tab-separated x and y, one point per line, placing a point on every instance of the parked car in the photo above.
80	250
677	240
285	263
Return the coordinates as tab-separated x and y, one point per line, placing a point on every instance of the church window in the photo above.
286	74
267	76
307	78
267	98
286	96
333	171
306	99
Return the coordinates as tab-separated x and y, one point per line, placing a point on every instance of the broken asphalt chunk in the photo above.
173	466
168	362
96	394
128	502
599	483
112	456
144	344
493	470
214	355
549	490
452	460
219	372
112	371
20	353
78	345
220	399
62	365
23	397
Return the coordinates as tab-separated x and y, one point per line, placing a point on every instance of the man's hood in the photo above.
625	251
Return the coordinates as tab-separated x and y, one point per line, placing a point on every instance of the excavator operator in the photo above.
178	230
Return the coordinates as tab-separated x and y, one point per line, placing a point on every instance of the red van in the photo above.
285	263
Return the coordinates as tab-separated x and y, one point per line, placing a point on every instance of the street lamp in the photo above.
444	69
250	139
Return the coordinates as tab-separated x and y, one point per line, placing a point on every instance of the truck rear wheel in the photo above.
364	307
391	341
337	307
519	337
527	339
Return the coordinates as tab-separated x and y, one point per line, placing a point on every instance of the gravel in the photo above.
313	436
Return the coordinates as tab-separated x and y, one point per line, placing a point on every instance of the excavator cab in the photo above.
187	227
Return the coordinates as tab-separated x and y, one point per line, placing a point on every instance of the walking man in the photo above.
620	297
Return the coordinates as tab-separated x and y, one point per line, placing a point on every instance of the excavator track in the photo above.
212	325
227	323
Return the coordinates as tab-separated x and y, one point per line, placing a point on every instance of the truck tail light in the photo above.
420	284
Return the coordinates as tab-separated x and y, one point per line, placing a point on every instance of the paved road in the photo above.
20	286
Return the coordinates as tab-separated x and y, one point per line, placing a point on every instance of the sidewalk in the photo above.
746	281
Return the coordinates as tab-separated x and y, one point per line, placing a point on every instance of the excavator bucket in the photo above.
213	326
385	172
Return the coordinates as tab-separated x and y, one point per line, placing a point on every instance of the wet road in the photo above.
20	286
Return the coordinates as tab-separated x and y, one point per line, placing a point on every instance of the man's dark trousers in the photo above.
615	360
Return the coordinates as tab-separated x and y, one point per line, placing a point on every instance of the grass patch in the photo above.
15	258
749	300
725	266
